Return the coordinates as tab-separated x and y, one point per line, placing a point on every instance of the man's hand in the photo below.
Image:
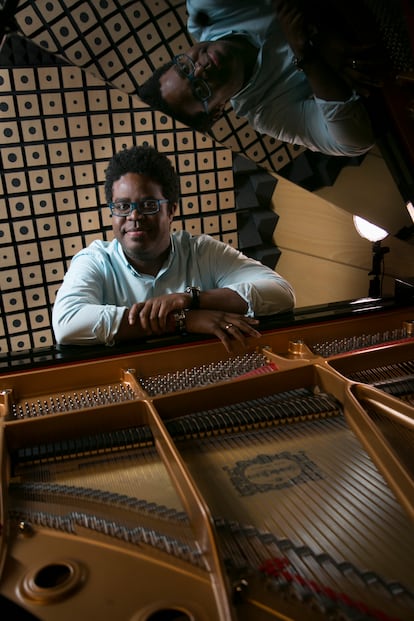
362	66
153	314
295	28
347	45
232	329
154	317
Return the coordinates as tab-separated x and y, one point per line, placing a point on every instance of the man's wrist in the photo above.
195	297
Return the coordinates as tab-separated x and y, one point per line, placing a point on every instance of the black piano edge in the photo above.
61	354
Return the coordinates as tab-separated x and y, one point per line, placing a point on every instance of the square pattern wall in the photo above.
68	84
58	128
122	42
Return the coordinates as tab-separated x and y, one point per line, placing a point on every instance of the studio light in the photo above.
410	209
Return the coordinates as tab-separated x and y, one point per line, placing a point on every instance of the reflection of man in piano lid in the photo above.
260	56
148	281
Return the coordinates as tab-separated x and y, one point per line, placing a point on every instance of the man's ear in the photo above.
217	113
172	209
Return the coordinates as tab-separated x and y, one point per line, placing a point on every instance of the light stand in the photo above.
375	284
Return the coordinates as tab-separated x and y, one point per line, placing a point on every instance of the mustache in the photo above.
134	227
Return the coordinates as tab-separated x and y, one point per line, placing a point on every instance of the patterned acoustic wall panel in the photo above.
59	125
122	42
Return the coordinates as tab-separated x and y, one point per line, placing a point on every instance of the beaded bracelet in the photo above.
180	323
308	55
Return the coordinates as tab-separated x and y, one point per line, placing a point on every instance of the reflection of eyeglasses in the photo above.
200	88
149	207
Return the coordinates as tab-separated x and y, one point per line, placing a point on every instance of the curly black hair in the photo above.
150	94
144	160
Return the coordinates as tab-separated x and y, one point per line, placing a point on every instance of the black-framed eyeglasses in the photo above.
148	207
200	88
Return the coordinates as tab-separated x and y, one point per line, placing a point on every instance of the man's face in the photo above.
143	238
220	64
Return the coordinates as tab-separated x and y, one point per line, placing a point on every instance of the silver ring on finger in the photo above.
228	326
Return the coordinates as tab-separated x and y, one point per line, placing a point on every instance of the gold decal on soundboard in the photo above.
272	472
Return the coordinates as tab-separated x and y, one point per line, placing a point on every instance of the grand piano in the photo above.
173	481
166	480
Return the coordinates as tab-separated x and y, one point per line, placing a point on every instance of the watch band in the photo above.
195	300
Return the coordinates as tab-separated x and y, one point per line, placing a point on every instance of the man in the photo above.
148	282
260	56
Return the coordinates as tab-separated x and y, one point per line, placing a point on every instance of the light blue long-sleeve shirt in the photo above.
278	100
101	284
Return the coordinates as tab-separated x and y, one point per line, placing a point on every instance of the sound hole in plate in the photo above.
53	576
52	582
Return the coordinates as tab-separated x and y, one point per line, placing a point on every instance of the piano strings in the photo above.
294	498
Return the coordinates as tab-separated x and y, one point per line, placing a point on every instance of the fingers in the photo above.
237	333
153	317
153	313
361	82
134	312
232	329
367	71
150	316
